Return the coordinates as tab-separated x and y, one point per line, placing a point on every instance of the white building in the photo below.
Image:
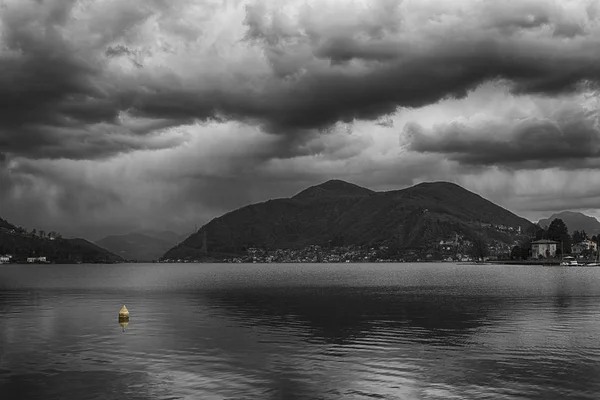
589	245
584	245
545	248
36	259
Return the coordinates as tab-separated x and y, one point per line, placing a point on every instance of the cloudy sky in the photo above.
117	115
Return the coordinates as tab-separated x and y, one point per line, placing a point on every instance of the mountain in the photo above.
167	236
575	221
20	244
4	224
338	213
333	188
143	245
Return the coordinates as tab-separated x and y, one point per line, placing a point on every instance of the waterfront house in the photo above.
36	259
584	245
589	245
544	248
5	259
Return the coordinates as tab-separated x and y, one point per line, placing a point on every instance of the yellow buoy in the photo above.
123	322
124	312
124	317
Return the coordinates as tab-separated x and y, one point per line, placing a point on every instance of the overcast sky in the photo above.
117	115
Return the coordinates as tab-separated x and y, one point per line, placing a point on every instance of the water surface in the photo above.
293	331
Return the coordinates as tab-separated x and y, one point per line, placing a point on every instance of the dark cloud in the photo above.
402	75
581	202
74	91
569	30
42	196
76	196
118	50
42	80
571	140
525	16
54	74
192	184
56	101
92	143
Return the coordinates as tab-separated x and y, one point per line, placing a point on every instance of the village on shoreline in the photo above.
542	247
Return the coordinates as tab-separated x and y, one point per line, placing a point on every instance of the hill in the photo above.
333	188
575	221
338	213
168	236
4	224
21	245
140	246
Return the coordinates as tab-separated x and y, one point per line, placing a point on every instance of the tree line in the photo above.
557	231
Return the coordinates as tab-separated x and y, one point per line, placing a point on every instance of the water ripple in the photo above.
307	332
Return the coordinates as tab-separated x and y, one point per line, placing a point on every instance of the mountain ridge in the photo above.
141	245
338	213
21	245
575	221
333	187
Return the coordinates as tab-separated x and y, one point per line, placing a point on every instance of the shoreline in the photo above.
488	262
526	262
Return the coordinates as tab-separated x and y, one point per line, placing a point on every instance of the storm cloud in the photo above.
72	70
118	114
569	138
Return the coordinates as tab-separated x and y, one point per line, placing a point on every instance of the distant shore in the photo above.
525	262
487	262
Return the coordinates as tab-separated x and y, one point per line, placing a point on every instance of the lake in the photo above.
299	331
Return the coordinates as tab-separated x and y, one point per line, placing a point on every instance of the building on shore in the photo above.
36	260
543	248
583	246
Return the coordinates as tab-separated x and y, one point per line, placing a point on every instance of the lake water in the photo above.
293	331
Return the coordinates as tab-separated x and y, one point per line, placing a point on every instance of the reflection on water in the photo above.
300	332
123	317
123	321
